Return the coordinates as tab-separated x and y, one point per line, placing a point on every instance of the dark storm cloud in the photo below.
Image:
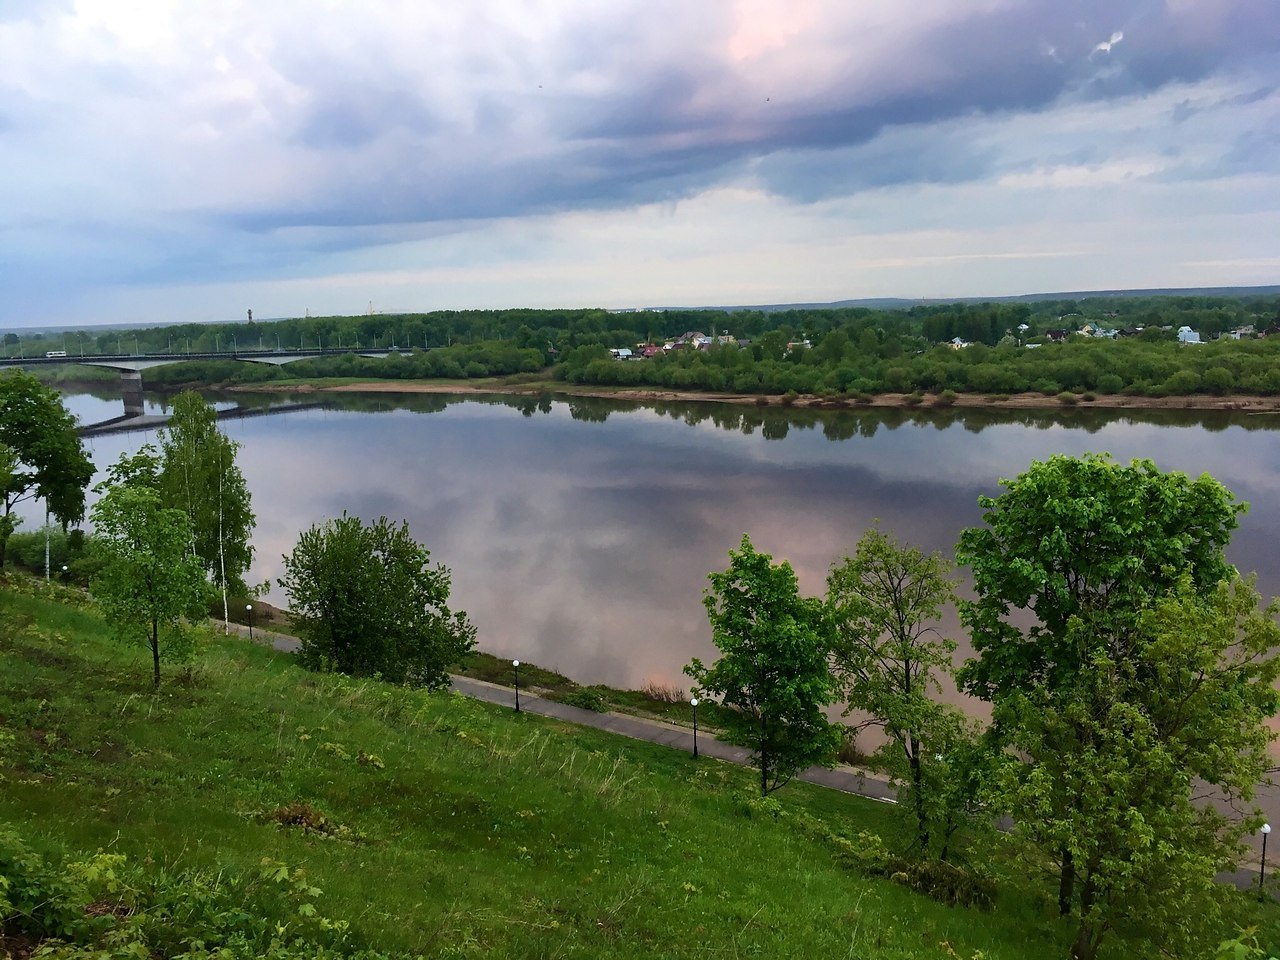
664	121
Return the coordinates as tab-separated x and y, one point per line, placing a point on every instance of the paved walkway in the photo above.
846	779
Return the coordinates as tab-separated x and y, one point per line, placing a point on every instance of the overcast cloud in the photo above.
189	160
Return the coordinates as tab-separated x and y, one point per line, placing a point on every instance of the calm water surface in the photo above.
580	533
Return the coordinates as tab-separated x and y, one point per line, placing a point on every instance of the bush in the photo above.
1182	382
945	882
1068	399
586	699
1088	396
915	399
946	398
105	906
1110	383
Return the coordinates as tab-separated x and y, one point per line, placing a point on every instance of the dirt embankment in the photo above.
1242	403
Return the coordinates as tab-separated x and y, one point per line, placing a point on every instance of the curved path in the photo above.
846	779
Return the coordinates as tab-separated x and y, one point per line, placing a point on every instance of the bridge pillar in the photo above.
131	381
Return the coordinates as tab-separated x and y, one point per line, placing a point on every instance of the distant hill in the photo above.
902	303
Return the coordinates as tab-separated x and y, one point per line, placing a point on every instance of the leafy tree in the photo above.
148	581
888	657
773	669
199	476
45	458
1180	701
367	601
1088	540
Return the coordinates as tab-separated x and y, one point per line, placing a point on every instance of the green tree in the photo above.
148	582
1088	540
1178	702
46	458
199	476
367	600
773	670
884	601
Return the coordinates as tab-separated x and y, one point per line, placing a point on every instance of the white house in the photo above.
1187	335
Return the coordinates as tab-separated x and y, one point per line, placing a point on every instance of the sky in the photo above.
165	161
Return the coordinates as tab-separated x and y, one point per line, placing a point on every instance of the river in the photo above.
580	532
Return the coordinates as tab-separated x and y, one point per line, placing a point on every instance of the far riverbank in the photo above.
1240	403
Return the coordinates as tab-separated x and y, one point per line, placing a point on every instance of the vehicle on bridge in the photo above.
55	353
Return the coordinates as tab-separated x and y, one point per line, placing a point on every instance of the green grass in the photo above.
472	831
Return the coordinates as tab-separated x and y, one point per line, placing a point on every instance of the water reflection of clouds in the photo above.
585	545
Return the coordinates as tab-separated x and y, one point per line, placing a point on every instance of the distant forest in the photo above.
821	351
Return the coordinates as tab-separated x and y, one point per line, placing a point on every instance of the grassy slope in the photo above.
485	834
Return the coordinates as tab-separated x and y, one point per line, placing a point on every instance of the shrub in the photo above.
1110	383
1068	399
946	398
945	882
1088	396
586	699
915	399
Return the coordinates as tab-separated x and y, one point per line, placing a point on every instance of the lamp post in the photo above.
693	702
1262	874
515	664
65	578
248	607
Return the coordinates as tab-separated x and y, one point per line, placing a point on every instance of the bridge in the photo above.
131	365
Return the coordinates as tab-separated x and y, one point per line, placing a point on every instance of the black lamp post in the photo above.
248	607
1262	874
694	704
65	579
515	664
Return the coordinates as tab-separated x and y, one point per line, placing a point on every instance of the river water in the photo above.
580	532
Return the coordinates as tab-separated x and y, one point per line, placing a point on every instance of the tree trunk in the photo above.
1066	883
917	783
222	558
1089	935
764	758
155	651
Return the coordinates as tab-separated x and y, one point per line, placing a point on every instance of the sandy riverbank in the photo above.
1022	401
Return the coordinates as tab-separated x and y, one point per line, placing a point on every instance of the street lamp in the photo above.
516	666
65	578
693	702
1262	874
249	610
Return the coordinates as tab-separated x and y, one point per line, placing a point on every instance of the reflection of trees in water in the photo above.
776	423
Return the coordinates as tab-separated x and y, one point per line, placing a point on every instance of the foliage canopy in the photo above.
773	666
367	601
148	581
40	453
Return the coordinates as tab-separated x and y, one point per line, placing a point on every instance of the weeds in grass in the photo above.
663	692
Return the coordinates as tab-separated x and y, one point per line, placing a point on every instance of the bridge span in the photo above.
131	365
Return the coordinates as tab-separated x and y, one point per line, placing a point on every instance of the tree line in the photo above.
855	350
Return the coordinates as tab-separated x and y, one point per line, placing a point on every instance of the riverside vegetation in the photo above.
855	352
